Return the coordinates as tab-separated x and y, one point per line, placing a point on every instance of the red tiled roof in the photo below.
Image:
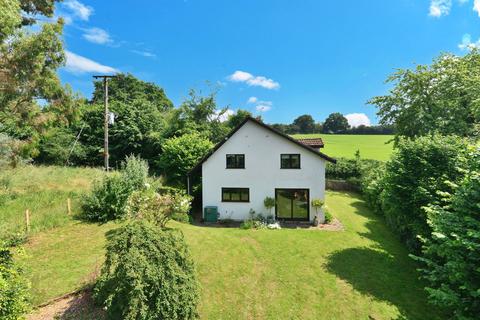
312	142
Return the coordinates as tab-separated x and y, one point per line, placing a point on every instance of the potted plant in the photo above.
269	203
319	217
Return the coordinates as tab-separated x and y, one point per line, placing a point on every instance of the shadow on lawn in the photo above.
384	270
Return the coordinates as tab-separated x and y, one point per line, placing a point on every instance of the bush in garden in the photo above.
372	185
328	217
109	198
14	288
451	253
415	177
158	208
148	274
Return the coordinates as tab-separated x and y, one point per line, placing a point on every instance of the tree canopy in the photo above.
443	97
335	123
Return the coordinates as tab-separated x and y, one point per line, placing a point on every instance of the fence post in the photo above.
69	206
27	219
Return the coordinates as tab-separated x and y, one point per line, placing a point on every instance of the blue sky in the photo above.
276	58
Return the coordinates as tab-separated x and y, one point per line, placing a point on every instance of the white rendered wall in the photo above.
262	173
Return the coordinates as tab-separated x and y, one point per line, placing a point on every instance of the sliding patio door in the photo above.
292	204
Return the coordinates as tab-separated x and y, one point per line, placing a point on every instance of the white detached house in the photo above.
256	161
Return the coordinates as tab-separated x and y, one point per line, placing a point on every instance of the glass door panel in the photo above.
292	204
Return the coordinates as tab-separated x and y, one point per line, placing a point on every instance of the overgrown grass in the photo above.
345	145
358	273
44	192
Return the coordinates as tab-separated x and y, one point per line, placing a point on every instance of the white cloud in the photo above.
440	8
78	9
145	53
476	6
224	116
467	43
97	35
77	64
251	80
356	119
252	100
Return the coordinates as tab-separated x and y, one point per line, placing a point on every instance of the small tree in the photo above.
180	154
269	203
148	274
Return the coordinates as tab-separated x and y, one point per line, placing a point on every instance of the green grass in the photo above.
44	191
345	145
262	274
358	273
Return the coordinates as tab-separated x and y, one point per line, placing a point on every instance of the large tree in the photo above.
443	97
141	113
335	123
305	123
28	69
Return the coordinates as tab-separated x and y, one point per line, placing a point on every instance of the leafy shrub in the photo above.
109	198
451	253
247	224
343	169
57	146
328	216
372	185
350	169
148	274
415	177
14	288
158	208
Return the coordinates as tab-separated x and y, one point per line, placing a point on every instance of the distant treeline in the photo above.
335	123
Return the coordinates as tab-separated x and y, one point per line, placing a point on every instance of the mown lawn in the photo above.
345	145
358	273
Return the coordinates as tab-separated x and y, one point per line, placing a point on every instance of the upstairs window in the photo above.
235	195
290	161
235	161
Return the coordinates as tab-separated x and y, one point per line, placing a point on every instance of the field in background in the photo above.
345	145
358	273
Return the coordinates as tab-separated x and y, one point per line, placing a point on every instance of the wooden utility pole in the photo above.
105	124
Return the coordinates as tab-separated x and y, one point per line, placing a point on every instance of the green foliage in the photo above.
305	124
372	185
148	274
181	154
414	178
317	203
108	199
138	129
439	98
451	253
335	123
328	216
158	208
14	288
10	17
57	147
198	114
12	152
269	203
238	117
